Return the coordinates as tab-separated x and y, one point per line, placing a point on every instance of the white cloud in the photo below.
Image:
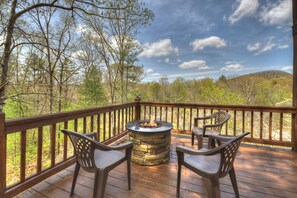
199	64
287	68
283	46
208	27
200	77
260	48
156	74
82	29
149	70
232	66
244	8
166	60
79	54
277	13
213	41
253	47
2	38
160	48
192	74
185	75
116	40
266	47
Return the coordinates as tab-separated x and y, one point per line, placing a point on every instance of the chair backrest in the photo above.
220	118
84	148
228	154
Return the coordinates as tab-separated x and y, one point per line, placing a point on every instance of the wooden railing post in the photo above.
2	151
294	121
137	108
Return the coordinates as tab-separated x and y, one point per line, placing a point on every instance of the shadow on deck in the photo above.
261	172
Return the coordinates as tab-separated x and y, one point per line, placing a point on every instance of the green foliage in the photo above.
178	90
91	91
14	108
271	89
155	91
13	158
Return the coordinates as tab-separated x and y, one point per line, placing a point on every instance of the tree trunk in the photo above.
7	47
51	92
60	98
122	81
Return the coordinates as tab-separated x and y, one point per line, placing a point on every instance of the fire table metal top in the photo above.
162	126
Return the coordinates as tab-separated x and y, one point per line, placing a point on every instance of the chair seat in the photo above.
206	164
107	158
199	131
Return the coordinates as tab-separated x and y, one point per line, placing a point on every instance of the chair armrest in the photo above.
92	134
219	137
101	146
104	147
200	118
212	125
122	146
187	150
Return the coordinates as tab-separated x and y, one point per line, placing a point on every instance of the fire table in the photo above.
151	141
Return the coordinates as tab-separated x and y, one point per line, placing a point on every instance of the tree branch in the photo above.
21	94
71	8
25	43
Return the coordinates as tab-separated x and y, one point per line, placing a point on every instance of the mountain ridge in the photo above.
269	74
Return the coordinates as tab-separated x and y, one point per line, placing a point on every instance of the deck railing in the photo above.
268	125
34	148
53	152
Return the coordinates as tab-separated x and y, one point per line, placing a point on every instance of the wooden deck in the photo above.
261	172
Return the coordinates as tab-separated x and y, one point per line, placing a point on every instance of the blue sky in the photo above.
195	39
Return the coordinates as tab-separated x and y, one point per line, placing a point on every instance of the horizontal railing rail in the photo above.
268	125
36	148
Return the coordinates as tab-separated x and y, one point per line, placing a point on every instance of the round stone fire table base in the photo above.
151	145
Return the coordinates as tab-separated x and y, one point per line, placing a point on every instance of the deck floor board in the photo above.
261	172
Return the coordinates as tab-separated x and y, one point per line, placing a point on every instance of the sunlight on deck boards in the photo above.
261	172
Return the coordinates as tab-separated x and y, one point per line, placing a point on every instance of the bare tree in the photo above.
114	41
19	9
55	39
247	87
122	28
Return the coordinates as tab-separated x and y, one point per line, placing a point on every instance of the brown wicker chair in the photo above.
219	119
98	158
211	164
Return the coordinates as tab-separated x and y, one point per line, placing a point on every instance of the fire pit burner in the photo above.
151	143
150	124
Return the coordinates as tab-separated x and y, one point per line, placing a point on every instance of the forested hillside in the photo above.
271	88
267	75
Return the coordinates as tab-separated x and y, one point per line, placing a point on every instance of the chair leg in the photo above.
193	138
211	143
178	180
129	172
212	186
100	183
200	141
233	181
219	142
76	170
